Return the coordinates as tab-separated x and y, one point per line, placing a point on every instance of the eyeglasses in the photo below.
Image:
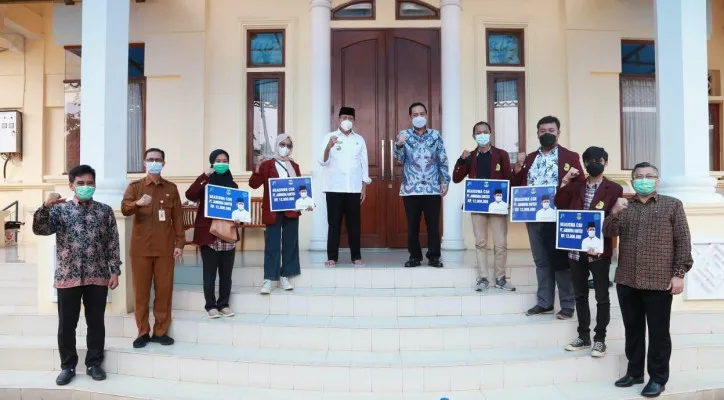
154	160
645	177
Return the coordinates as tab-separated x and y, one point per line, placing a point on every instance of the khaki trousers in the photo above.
156	271
499	227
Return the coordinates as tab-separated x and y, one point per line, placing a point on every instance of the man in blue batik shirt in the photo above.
425	181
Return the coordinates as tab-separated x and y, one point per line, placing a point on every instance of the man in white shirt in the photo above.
498	206
240	214
592	242
346	176
546	213
303	202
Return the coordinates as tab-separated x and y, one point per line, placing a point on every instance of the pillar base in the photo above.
453	244
691	189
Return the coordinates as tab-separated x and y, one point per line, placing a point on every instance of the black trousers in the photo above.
223	263
579	277
415	207
640	308
94	301
345	205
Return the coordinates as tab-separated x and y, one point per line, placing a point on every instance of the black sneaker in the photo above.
598	349
482	284
566	313
96	372
65	377
538	310
578	344
411	263
435	263
164	340
141	341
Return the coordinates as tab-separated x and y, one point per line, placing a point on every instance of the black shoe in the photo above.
435	263
565	313
411	263
96	372
628	381
164	340
141	341
65	377
653	389
538	310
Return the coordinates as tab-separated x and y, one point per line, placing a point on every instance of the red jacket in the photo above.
195	193
268	169
499	166
566	160
571	197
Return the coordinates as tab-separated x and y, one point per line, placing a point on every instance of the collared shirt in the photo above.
157	228
425	167
347	166
654	242
544	170
86	241
588	195
484	161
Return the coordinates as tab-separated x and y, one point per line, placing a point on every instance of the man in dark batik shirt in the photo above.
87	250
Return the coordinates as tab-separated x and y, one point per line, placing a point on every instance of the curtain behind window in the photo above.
638	120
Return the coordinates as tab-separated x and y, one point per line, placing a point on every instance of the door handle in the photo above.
382	164
392	160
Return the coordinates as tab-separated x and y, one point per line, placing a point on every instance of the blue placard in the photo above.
226	203
489	196
579	230
532	204
288	194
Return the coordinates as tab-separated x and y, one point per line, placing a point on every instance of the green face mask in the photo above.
84	193
221	168
644	186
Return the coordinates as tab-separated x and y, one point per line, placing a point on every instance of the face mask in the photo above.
154	167
591	234
221	168
84	193
482	139
303	194
547	139
498	198
594	169
419	122
644	187
346	125
240	207
546	205
283	151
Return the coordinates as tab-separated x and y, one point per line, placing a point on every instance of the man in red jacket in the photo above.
596	193
487	162
550	165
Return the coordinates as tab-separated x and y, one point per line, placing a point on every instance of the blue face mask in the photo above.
84	193
644	186
154	167
482	139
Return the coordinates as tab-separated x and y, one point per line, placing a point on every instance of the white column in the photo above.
683	121
104	95
452	238
321	106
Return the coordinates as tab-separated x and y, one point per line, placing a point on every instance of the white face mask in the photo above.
240	207
303	194
283	151
591	234
546	205
346	125
419	122
498	198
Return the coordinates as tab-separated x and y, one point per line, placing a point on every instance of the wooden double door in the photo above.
380	73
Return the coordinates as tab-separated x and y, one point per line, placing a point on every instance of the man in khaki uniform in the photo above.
156	241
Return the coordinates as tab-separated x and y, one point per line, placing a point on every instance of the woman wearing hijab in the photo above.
217	255
282	228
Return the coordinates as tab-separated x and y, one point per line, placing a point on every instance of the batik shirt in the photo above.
425	167
544	170
86	240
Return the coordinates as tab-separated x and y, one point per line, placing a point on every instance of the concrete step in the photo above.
345	371
18	293
41	384
19	271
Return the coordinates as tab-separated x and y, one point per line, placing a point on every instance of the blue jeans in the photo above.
542	237
281	249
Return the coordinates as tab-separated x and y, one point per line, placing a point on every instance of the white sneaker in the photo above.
266	288
285	284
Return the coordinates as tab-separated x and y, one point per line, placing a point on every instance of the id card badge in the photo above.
162	215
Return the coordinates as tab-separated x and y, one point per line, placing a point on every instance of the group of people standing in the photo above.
655	244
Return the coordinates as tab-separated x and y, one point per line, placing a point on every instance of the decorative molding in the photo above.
320	3
705	281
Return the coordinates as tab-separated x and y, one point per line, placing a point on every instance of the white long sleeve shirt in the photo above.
347	166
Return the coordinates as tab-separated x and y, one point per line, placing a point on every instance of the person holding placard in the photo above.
425	180
346	176
281	244
488	162
600	194
157	241
217	254
552	164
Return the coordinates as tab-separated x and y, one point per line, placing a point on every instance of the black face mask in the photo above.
594	169
547	139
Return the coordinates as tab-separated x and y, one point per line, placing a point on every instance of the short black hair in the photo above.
545	197
549	120
594	153
482	123
155	150
498	191
591	224
240	200
415	104
644	164
81	170
302	187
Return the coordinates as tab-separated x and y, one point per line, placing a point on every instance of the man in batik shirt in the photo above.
87	250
